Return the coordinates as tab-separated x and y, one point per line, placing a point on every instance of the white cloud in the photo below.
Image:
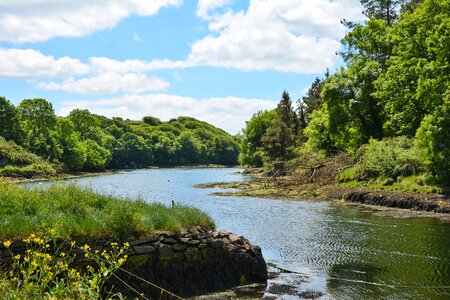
17	63
204	7
39	20
229	113
290	36
108	83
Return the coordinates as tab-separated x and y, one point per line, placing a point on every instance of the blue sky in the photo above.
216	60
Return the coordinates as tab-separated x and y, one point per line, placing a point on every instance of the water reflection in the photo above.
342	252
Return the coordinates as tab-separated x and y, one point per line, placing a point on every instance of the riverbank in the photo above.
287	187
80	174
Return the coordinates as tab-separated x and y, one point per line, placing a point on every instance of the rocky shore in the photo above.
187	264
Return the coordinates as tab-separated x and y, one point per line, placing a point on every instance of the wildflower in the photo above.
17	257
7	243
126	245
62	254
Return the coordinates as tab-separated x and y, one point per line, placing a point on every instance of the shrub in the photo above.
389	158
433	141
46	271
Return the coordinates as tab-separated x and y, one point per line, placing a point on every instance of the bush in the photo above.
389	158
433	141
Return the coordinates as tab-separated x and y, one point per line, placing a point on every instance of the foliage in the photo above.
418	74
433	140
9	123
16	161
251	145
389	158
46	271
153	121
82	213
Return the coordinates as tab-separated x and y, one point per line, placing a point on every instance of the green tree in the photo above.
131	151
433	140
382	9
418	74
74	151
97	157
37	119
9	122
153	121
252	150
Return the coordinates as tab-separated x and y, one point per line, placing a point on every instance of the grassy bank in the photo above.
80	213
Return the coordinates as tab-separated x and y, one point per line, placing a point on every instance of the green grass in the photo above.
347	174
408	184
79	213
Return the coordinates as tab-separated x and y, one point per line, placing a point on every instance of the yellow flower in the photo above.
86	255
72	243
126	245
62	254
7	244
17	257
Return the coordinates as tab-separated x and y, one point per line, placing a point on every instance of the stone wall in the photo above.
188	264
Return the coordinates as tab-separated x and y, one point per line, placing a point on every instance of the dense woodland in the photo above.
388	107
85	141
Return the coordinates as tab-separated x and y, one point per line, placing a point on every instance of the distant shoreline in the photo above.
73	175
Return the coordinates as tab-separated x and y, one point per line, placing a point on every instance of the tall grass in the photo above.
80	213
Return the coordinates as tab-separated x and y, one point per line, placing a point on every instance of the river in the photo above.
338	251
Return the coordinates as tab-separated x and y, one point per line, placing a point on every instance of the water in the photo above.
340	251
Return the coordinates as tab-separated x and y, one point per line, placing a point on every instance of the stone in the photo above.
233	238
179	247
144	249
217	243
194	242
224	233
145	241
169	240
165	250
184	240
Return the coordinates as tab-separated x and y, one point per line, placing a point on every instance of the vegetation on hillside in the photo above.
85	141
388	109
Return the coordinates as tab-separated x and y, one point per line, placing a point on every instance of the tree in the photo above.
382	9
37	119
74	151
97	157
132	150
277	139
252	151
9	122
286	112
153	121
418	73
433	140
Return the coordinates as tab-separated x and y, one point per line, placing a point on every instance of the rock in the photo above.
145	241
233	238
165	250
217	244
184	240
224	233
170	241
179	247
193	242
145	249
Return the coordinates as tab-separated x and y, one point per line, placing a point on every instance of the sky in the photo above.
216	60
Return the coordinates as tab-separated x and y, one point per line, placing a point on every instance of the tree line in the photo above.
389	105
86	141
